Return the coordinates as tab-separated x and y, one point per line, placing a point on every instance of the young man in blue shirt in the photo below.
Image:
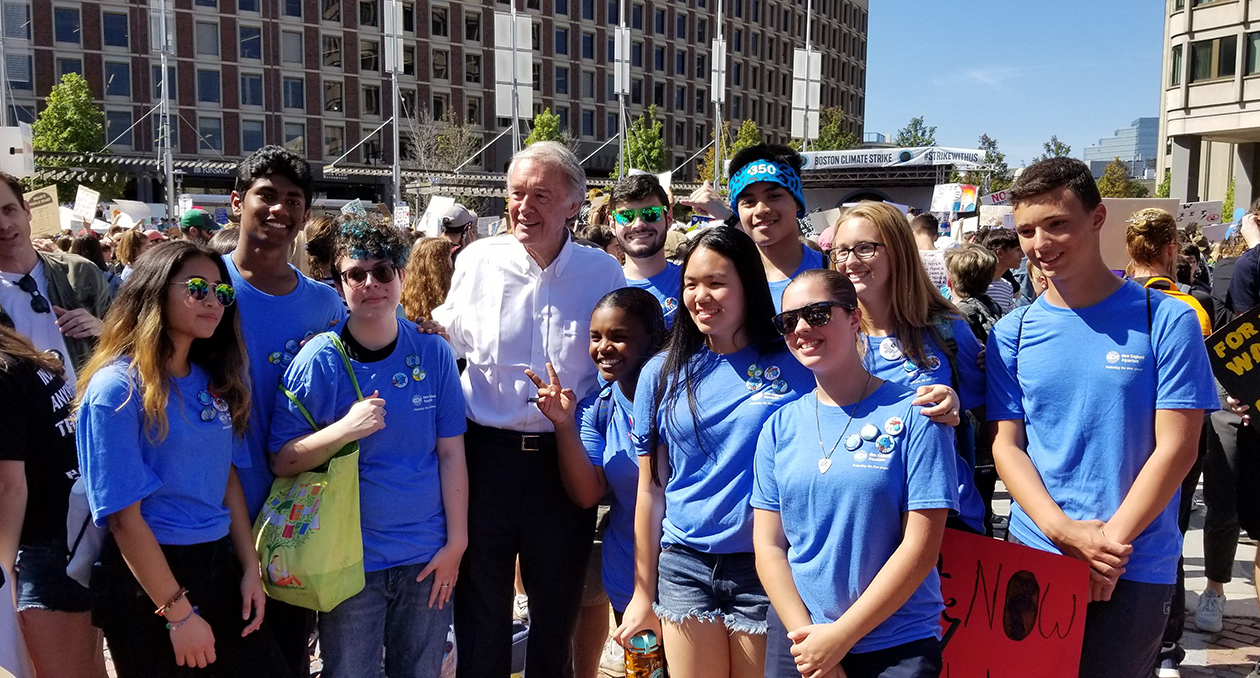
1093	450
640	216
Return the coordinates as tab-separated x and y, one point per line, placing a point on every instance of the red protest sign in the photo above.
1010	610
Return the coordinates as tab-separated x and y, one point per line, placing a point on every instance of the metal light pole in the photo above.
516	97
622	45
393	63
809	49
719	94
163	47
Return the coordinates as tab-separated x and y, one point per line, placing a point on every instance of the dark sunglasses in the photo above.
816	315
199	289
357	277
862	250
650	215
39	303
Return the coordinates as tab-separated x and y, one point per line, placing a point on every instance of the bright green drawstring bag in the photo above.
308	536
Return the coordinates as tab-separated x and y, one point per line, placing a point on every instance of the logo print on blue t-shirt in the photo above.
1113	357
400	380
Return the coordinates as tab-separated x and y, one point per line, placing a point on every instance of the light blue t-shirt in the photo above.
1087	386
273	329
891	460
179	481
400	491
884	359
711	456
611	446
666	286
812	259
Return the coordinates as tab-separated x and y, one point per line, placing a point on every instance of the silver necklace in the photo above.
825	462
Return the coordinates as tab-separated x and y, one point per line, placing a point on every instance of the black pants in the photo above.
1230	446
139	642
1177	612
518	507
914	659
292	627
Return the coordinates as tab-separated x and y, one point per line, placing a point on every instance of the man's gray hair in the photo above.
559	156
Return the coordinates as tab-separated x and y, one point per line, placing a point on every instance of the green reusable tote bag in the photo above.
307	535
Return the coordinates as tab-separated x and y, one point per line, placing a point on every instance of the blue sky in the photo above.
1019	71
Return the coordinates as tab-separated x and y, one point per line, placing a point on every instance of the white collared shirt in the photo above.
505	314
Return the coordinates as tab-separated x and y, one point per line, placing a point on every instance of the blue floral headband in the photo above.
768	171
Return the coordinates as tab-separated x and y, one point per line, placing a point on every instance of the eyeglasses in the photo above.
199	288
357	277
862	250
39	303
650	215
815	315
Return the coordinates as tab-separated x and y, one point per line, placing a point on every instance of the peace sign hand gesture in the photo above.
558	404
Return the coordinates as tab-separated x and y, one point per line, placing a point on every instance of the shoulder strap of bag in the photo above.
604	411
345	360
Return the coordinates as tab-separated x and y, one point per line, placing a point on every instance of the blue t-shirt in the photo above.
273	329
400	491
611	446
812	259
179	481
711	457
1090	419
884	359
891	460
666	286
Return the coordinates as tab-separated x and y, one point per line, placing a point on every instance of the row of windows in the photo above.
1216	59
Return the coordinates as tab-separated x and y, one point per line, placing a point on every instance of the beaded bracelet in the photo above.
161	611
174	626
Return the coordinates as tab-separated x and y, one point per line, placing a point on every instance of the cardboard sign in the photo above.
1198	214
44	218
85	204
996	198
1111	240
221	216
130	213
1010	610
402	215
1234	351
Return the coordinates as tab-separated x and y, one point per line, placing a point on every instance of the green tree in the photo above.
831	134
545	127
748	135
915	134
1116	183
999	173
1227	205
645	144
71	123
1054	149
1165	187
704	168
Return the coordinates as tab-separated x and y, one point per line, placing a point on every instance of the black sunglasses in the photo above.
816	315
39	303
357	277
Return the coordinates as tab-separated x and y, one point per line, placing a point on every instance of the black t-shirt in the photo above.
38	429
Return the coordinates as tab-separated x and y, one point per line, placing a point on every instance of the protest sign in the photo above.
1198	214
17	153
996	198
354	207
129	213
402	215
85	204
1111	240
44	218
185	204
221	216
953	198
1010	610
824	219
431	221
1215	232
1234	351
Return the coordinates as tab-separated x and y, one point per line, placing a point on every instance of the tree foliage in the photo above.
748	135
1165	187
704	168
831	134
1053	149
999	173
1116	183
72	123
546	127
915	134
1227	205
645	145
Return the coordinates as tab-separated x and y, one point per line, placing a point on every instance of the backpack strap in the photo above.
603	410
943	328
345	360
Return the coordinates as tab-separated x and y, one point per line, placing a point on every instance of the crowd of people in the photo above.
621	413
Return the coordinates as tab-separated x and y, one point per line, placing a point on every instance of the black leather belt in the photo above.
526	442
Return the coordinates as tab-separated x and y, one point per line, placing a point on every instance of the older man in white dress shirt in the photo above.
520	301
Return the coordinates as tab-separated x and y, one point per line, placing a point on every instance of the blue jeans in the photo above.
391	612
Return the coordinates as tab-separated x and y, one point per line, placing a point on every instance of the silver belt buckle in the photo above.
531	443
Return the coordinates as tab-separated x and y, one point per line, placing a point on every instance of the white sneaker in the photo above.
1211	611
1167	669
612	662
520	608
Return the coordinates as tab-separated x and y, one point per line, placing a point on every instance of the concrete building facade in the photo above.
309	74
1136	146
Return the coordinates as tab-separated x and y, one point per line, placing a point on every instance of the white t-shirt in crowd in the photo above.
40	328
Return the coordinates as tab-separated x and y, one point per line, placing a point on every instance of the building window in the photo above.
253	136
702	29
680	63
636	17
291	47
588	10
294	93
210	131
561	7
113	27
371	100
156	75
610	86
563	114
334	141
535	37
614	11
588	85
207	38
332	51
19	71
1176	62
251	89
409	17
588	45
610	125
535	71
636	91
658	95
588	123
295	137
658	21
247	5
117	79
333	96
368	15
562	41
369	56
291	8
441	23
207	3
562	80
208	90
76	66
251	42
702	66
17	20
472	68
680	28
331	11
1211	59
472	26
473	106
440	103
66	25
118	128
636	54
658	58
441	64
407	102
680	98
409	60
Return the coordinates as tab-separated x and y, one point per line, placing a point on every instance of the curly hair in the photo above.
428	277
1150	232
368	237
274	159
321	245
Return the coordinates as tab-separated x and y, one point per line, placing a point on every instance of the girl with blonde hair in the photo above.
428	280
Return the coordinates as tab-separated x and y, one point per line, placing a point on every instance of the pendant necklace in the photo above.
825	462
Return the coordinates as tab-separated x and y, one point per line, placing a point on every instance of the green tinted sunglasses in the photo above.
650	215
199	289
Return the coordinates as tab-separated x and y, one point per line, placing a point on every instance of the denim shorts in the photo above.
711	587
43	583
